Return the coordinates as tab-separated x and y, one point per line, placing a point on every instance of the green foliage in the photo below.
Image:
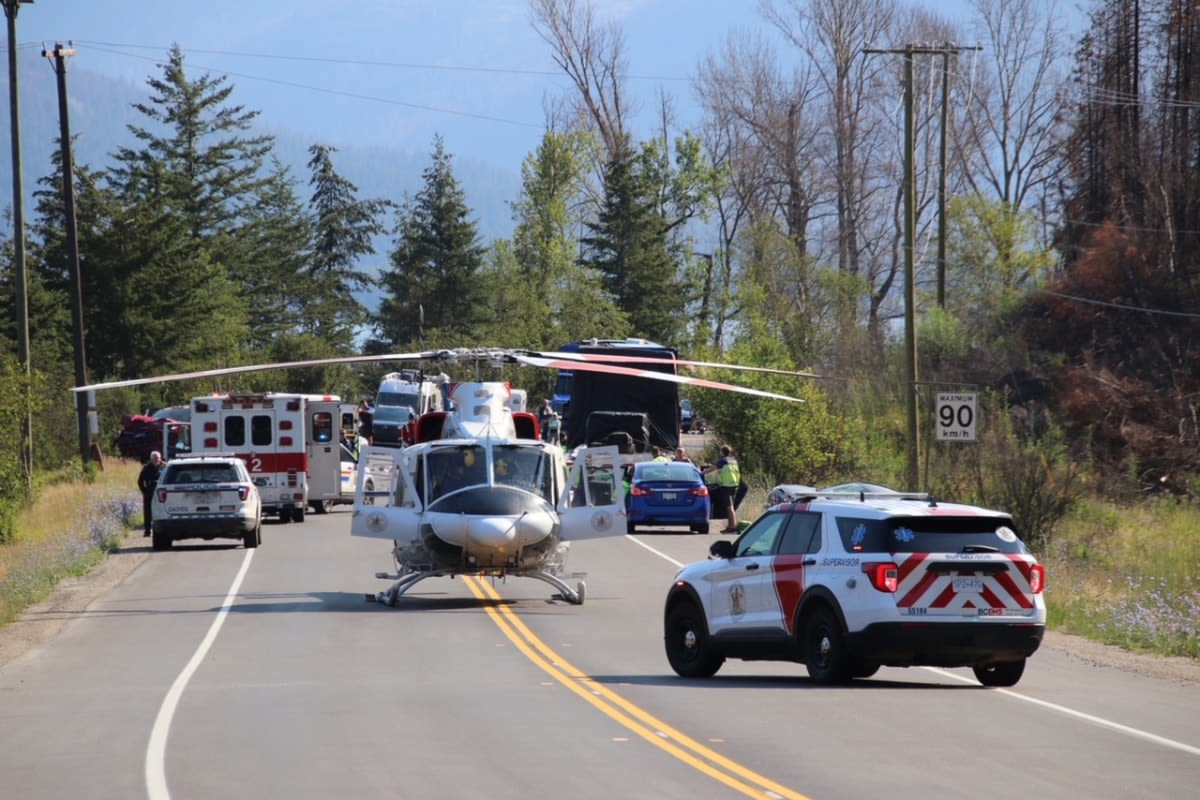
15	394
627	244
343	227
775	441
432	291
277	236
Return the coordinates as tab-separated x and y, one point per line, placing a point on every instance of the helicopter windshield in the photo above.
524	467
456	467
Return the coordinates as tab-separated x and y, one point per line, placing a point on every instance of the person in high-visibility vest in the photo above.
729	476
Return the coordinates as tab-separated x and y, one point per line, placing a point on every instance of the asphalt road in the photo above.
212	671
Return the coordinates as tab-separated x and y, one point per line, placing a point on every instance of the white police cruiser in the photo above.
846	582
206	497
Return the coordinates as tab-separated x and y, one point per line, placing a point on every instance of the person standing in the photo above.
729	476
548	421
147	481
366	420
681	455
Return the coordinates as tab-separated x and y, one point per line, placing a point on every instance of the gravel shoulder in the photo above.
40	623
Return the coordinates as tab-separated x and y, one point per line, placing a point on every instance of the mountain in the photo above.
101	108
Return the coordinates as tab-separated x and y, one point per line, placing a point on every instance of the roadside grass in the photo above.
66	532
1128	576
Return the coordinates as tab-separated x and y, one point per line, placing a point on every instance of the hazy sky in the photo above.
393	71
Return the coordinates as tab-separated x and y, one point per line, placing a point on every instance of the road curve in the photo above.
476	689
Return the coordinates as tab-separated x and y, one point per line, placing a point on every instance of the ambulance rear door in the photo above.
321	428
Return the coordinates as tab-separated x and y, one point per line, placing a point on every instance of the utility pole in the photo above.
59	55
22	290
912	422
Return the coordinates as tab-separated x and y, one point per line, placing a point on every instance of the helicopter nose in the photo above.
493	531
501	532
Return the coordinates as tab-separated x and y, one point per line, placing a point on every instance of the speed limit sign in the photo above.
956	416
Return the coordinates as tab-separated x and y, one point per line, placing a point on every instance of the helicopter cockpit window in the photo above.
524	467
454	468
595	485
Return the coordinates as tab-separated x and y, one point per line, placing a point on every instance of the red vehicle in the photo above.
166	431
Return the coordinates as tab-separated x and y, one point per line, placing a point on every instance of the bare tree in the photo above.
1012	132
592	56
760	126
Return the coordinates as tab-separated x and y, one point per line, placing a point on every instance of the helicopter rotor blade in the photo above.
535	360
620	359
213	373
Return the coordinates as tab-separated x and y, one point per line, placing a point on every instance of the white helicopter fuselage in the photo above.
480	499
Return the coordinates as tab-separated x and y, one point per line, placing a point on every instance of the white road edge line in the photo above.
658	553
1070	712
156	749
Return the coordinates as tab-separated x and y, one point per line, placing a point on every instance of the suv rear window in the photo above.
930	535
201	473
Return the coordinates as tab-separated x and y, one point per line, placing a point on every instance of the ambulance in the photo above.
288	441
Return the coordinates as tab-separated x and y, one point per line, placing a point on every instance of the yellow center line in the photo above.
629	715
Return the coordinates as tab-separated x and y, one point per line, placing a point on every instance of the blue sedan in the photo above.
667	493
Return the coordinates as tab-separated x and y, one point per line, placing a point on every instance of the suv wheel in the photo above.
1006	673
298	514
686	638
824	649
253	538
160	541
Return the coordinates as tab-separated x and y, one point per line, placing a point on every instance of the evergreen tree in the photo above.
557	298
278	239
187	198
435	266
343	227
628	246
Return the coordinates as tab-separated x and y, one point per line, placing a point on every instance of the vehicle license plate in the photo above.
968	583
669	495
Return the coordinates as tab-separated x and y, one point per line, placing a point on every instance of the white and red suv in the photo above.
848	582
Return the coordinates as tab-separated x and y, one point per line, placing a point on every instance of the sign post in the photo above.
955	416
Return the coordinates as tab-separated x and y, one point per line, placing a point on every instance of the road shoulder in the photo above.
41	622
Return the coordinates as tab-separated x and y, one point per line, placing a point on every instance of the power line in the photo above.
337	92
1121	306
372	63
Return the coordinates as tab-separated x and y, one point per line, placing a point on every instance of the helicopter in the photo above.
478	492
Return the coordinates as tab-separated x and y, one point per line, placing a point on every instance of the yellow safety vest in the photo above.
729	475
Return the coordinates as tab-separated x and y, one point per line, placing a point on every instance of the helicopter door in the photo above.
593	502
386	504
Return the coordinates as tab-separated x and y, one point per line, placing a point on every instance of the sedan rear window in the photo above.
947	534
666	471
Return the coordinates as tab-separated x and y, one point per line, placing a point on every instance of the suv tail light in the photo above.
1037	578
883	576
243	492
698	491
162	495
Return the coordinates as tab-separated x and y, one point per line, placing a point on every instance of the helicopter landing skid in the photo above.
390	595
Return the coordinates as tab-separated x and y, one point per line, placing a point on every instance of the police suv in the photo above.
206	497
846	582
